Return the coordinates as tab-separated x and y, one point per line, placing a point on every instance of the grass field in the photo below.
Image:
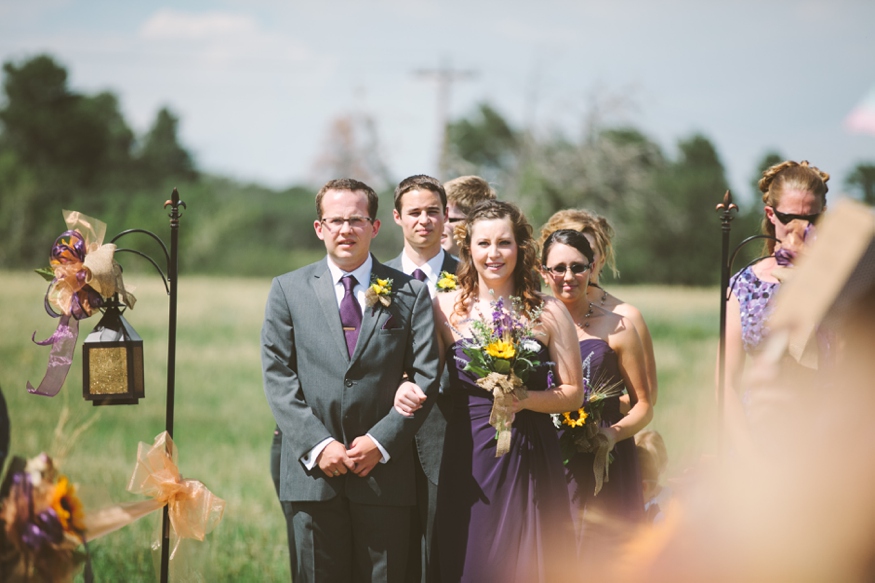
223	425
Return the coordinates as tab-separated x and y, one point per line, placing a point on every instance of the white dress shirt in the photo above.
431	269
362	275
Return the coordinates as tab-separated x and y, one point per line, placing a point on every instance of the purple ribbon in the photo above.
68	250
63	343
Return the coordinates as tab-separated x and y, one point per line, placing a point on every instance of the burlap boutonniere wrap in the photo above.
380	291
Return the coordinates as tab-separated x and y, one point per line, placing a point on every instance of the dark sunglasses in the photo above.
786	217
576	268
455	219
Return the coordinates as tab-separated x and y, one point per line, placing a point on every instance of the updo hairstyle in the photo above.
572	238
789	175
585	222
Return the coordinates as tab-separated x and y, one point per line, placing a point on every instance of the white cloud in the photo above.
171	24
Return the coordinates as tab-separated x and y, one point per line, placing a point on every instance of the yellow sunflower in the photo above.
67	506
382	287
447	282
501	349
579	422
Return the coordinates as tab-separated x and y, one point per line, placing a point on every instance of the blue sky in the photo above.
258	82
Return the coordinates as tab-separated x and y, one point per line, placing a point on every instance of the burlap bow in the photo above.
503	388
193	509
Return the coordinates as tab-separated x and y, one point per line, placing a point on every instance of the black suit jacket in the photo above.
430	437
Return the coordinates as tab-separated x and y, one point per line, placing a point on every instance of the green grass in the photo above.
223	425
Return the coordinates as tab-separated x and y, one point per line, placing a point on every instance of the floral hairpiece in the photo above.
447	282
380	291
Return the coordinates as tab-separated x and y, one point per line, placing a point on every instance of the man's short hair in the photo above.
420	182
465	192
348	184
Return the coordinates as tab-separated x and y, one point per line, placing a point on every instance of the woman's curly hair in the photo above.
526	286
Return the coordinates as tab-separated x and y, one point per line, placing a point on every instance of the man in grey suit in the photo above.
334	350
421	212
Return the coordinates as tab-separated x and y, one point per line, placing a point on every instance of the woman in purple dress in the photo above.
612	353
506	518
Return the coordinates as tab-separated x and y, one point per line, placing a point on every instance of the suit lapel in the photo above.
449	264
371	315
323	288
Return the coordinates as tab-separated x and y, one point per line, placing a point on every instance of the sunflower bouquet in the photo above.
502	349
580	429
42	523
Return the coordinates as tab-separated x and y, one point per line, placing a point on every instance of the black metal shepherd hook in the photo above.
170	278
725	209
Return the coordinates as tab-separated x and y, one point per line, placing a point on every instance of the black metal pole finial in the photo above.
725	210
173	279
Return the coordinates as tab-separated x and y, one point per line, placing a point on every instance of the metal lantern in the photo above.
112	371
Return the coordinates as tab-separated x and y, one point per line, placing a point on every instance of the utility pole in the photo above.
445	76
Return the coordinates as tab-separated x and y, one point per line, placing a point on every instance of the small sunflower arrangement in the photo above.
380	291
447	282
575	418
580	429
503	351
42	523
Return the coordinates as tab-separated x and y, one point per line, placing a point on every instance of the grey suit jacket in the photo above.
316	390
430	438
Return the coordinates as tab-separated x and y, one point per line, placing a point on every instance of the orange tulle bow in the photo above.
193	509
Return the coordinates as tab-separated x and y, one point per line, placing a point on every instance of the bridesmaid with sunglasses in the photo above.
794	195
612	352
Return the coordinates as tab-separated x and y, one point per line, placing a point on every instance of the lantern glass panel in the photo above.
108	371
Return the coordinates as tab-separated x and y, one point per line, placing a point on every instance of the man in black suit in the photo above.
334	349
421	212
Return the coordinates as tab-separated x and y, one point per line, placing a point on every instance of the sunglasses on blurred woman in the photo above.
787	217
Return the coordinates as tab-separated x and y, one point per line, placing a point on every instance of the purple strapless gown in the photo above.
505	519
621	496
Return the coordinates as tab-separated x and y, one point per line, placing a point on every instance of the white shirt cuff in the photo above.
380	447
309	460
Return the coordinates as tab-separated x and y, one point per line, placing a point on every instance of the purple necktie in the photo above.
350	313
419	274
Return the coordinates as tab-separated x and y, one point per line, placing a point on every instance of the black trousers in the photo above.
339	540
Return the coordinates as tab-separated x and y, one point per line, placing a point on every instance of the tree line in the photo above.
64	149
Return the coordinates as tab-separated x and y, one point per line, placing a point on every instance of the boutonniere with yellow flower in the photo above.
447	282
380	291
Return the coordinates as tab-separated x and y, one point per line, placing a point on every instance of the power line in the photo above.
445	76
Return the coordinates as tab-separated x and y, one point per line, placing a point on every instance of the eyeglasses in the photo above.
576	269
786	217
334	224
455	219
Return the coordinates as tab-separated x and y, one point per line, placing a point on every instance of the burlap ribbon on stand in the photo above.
503	388
194	511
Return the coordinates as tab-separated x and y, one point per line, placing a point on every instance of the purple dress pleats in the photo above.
504	519
621	497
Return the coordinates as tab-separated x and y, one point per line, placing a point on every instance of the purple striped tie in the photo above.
419	274
350	313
